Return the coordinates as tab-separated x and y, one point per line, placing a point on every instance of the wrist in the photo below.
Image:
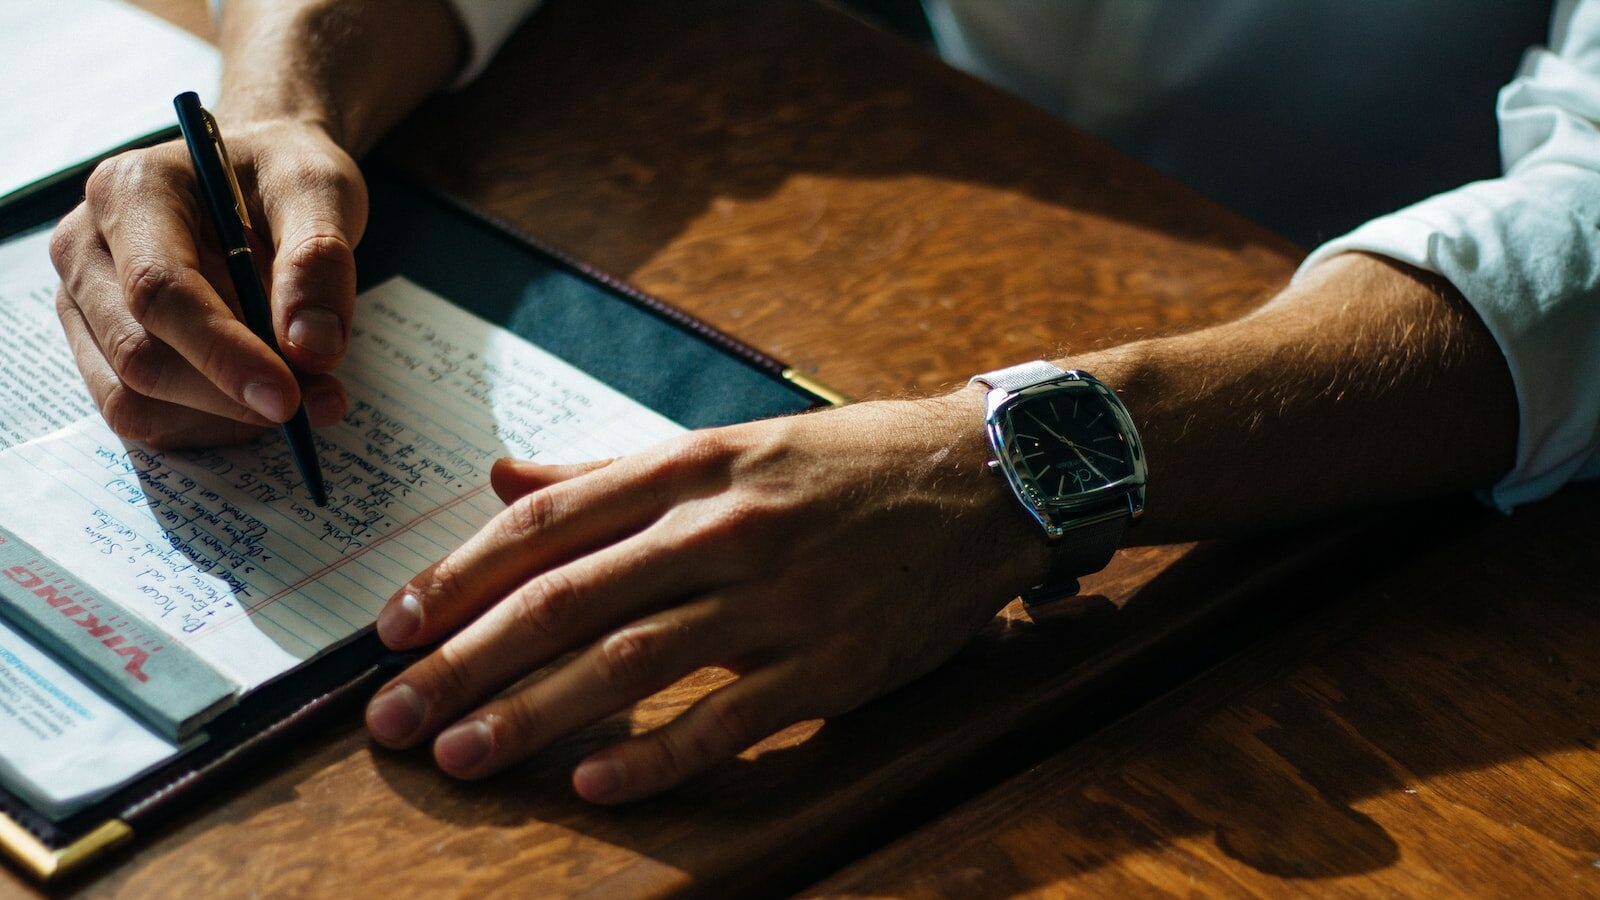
1065	447
997	527
350	69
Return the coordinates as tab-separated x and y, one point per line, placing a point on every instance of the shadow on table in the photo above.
1403	705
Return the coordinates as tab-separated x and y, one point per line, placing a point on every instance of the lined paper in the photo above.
40	389
223	551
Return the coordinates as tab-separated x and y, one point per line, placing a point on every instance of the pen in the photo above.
229	214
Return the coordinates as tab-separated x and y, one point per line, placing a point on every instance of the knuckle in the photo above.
147	281
322	248
103	180
446	583
448	677
665	760
136	358
319	172
735	524
733	721
694	452
128	414
544	609
530	515
64	242
520	720
632	655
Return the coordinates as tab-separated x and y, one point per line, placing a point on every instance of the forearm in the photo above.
1362	384
350	67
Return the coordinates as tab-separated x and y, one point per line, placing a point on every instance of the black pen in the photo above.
232	220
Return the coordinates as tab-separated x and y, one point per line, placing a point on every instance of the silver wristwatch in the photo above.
1069	452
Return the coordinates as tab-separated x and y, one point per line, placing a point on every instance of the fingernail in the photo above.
319	330
396	714
464	747
267	400
598	779
400	620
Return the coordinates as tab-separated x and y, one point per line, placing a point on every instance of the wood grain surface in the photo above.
846	202
1434	733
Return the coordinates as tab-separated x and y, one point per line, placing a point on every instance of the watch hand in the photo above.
1075	448
1094	451
1046	428
1086	460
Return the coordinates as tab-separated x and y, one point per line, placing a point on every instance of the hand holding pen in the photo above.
149	307
230	216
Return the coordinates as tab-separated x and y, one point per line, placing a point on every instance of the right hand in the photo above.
150	312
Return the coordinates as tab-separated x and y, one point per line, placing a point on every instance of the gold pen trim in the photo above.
807	383
227	167
45	864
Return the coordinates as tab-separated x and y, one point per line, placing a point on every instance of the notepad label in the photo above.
62	600
118	650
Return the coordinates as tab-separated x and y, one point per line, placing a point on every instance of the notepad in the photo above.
177	583
83	78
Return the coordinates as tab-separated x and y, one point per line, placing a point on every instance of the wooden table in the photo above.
1433	734
846	202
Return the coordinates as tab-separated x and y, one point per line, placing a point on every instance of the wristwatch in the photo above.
1069	452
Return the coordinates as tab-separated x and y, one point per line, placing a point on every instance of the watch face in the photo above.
1064	445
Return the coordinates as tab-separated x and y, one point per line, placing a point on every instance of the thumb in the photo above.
514	478
317	215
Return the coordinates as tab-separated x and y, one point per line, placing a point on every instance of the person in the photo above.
827	558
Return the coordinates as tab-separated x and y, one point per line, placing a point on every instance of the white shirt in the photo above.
1316	115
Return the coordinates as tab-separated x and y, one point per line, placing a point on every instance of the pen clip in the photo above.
227	167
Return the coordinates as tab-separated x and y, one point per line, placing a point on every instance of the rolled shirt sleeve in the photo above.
1524	250
487	24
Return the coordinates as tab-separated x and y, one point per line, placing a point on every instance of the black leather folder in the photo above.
667	360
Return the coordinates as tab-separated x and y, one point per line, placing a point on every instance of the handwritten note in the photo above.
40	390
223	551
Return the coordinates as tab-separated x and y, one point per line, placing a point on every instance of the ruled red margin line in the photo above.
341	561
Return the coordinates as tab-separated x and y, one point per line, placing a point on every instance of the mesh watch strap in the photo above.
1015	378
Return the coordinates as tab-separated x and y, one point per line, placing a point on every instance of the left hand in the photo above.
826	558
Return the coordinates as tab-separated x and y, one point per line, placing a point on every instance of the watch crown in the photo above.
994	465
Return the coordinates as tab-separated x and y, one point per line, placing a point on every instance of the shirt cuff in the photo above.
1525	253
486	25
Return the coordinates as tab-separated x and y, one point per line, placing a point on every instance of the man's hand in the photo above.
149	310
145	296
827	558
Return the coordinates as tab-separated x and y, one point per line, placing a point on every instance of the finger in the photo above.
149	231
515	478
548	616
143	363
715	729
148	365
623	668
137	417
316	211
325	398
535	533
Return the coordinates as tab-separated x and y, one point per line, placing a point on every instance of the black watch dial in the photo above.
1066	445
